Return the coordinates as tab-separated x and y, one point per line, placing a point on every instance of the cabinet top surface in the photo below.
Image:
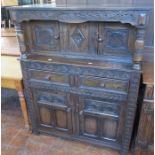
80	7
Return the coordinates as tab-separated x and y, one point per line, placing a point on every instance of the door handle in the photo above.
100	39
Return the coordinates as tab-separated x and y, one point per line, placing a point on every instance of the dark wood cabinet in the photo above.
144	135
144	143
81	69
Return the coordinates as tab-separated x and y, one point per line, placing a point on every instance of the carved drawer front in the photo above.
43	36
103	83
101	120
116	39
53	110
52	77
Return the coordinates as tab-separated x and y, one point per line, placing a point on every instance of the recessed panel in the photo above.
90	125
61	119
45	115
116	38
109	130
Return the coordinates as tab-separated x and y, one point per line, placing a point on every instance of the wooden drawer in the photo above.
103	83
52	77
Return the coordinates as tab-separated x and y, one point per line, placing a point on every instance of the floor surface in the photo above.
18	141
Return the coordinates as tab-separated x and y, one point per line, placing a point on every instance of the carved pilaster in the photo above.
20	37
139	43
131	108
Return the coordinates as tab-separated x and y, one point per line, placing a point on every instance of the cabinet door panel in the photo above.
116	39
54	110
101	120
44	36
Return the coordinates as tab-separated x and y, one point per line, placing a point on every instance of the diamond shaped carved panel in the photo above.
78	37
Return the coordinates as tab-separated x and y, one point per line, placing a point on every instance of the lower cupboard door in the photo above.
100	120
53	111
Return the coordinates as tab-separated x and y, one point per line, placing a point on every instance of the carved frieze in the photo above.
77	16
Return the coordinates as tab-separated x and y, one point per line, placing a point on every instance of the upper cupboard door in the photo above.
79	37
116	39
43	36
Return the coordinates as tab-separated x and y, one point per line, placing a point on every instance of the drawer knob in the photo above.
49	59
100	39
56	37
102	84
90	63
48	77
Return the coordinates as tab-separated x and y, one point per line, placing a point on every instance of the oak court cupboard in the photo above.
81	67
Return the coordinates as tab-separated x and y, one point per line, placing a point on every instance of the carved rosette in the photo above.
20	37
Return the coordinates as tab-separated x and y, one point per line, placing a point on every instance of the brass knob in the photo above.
49	59
48	77
100	39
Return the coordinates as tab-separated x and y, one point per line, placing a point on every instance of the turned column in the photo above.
139	43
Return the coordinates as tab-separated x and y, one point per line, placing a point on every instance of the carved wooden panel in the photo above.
43	36
100	120
53	110
116	39
79	38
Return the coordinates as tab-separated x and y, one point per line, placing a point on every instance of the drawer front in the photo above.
107	95
101	120
53	77
53	110
42	63
103	83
